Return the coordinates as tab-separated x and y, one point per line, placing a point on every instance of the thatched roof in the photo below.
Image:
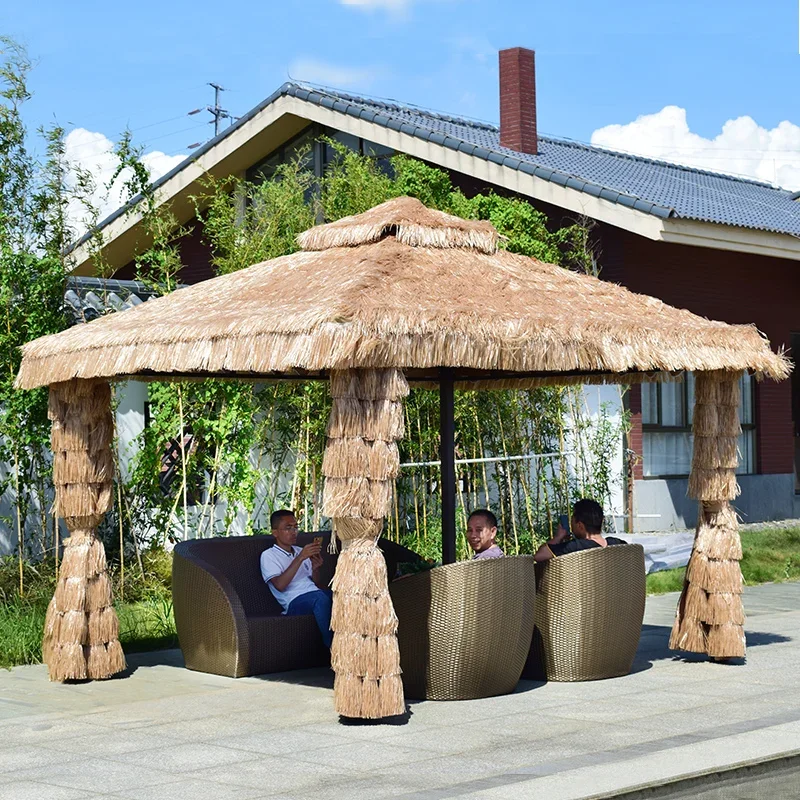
405	286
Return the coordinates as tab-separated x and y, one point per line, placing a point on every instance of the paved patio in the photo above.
164	732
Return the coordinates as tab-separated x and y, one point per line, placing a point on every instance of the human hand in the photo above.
310	550
316	561
561	533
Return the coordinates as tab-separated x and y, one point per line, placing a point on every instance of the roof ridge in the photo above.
390	103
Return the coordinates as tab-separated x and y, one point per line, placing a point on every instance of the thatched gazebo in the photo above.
400	294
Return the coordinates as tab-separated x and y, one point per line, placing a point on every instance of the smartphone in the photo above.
563	521
318	540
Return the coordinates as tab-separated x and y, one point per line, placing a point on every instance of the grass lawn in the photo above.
146	625
770	556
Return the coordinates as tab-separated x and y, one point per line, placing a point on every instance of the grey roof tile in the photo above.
655	187
87	298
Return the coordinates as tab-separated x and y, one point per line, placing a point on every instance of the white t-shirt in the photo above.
275	561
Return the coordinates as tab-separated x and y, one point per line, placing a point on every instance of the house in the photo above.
723	247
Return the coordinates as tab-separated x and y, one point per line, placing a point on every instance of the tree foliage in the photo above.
245	450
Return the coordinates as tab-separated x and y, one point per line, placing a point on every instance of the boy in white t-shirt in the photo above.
292	574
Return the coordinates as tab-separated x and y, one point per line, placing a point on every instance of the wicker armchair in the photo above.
227	619
589	610
465	629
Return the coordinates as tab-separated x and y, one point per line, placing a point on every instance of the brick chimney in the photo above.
518	100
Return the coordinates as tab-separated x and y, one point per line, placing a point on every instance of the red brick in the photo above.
518	100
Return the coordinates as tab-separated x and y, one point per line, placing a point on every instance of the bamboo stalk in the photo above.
20	534
315	503
396	514
183	466
121	541
306	460
427	483
479	433
463	538
413	480
511	496
523	470
210	505
42	512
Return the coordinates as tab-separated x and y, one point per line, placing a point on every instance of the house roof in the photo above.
656	187
88	298
651	198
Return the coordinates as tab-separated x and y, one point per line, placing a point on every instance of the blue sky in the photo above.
102	66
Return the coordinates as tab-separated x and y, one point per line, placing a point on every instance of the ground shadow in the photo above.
654	646
319	677
400	719
154	658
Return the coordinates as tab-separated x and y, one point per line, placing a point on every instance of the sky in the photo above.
710	84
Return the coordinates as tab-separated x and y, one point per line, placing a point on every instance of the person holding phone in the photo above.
587	528
293	574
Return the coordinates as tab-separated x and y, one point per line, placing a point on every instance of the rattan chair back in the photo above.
465	629
589	611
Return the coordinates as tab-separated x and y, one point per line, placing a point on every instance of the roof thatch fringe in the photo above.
389	304
370	419
369	384
723	608
349	345
378	460
351	528
726	641
356	497
410	222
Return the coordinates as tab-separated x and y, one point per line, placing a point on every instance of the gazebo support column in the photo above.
710	615
81	636
447	456
360	466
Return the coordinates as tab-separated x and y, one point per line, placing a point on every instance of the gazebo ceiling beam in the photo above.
413	375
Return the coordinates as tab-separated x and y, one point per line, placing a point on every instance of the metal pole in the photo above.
447	444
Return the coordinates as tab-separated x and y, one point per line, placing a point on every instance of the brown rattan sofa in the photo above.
589	610
229	623
465	629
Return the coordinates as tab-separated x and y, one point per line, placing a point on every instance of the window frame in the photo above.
659	427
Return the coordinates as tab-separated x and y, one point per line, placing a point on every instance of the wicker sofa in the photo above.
465	629
229	623
589	611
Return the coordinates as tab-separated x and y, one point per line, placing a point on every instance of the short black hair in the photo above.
486	514
590	513
276	516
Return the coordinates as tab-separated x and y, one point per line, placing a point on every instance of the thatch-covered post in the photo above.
81	637
710	615
360	465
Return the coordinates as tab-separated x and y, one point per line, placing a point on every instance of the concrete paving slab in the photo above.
273	774
92	774
190	790
34	790
163	731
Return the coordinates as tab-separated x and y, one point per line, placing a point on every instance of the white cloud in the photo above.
743	147
94	152
313	71
389	5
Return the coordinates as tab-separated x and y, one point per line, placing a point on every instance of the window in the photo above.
667	410
320	154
